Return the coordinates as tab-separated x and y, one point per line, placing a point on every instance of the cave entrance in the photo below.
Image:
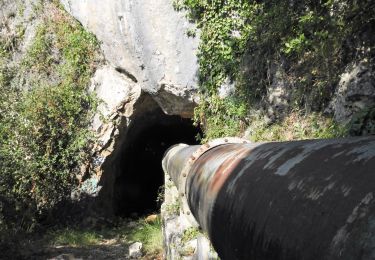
140	174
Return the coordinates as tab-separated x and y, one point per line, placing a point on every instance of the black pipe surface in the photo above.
312	199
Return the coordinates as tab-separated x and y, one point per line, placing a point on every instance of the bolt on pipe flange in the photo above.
193	158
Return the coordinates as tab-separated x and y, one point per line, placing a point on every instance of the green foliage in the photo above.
191	33
122	232
189	234
75	237
20	7
44	124
37	7
173	209
10	40
223	38
149	234
242	41
220	117
39	54
296	44
296	127
363	122
224	33
307	38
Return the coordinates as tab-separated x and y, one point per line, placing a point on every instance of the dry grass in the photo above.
295	126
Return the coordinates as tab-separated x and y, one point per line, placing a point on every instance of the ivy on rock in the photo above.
241	42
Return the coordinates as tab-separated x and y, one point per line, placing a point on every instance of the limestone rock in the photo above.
174	99
117	95
135	250
227	89
151	65
147	42
278	92
355	92
175	223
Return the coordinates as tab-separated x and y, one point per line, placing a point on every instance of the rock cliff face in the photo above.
149	80
150	75
151	65
147	42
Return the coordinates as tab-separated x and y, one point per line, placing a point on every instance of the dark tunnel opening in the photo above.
141	175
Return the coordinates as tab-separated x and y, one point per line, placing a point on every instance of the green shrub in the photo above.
150	234
75	237
220	117
363	122
242	41
224	33
189	234
44	133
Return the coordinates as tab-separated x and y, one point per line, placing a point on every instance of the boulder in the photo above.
117	95
355	92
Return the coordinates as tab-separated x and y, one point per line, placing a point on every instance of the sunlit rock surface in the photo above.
355	92
147	42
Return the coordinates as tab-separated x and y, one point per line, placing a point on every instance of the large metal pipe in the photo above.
312	199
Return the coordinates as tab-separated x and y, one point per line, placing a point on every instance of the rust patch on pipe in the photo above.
310	199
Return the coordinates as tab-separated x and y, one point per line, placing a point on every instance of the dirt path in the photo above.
107	249
101	242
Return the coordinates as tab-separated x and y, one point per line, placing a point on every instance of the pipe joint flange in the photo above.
193	158
212	144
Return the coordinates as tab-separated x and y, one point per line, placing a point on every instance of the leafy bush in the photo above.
241	41
221	117
223	42
150	234
44	120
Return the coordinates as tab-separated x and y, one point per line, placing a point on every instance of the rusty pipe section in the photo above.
176	157
312	199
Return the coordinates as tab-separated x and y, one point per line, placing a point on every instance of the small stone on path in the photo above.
135	250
